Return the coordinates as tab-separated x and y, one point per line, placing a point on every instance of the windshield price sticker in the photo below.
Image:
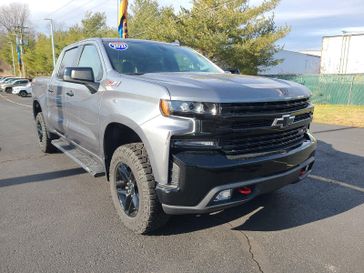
118	45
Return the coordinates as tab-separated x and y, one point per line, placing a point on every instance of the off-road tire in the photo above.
150	215
44	142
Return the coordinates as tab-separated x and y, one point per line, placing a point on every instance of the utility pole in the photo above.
20	48
52	40
12	56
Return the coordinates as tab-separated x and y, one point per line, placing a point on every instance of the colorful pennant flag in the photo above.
123	13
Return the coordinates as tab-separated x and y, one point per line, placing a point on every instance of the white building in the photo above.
343	54
293	63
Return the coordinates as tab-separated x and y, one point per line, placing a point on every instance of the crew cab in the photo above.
172	132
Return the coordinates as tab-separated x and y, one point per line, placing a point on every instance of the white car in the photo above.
23	91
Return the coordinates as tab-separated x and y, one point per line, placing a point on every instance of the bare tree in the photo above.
14	15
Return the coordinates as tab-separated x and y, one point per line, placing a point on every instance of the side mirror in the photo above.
82	75
232	70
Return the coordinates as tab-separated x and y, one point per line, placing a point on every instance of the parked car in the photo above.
7	86
8	78
23	91
2	79
172	131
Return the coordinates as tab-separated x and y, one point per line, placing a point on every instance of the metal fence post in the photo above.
350	90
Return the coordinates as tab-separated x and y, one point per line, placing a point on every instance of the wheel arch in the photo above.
117	134
36	108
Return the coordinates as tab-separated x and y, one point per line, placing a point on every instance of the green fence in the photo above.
332	89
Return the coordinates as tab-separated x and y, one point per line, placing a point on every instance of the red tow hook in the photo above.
245	190
303	171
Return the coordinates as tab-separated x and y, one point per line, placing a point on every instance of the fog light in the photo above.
223	195
193	143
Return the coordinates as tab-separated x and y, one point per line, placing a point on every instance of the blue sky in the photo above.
309	19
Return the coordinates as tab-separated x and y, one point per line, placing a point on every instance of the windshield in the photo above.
139	57
9	80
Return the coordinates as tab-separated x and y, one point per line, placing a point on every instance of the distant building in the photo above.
297	63
343	54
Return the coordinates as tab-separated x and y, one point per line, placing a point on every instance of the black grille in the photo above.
260	143
303	117
245	129
233	109
233	125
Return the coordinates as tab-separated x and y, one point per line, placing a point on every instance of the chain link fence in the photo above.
332	89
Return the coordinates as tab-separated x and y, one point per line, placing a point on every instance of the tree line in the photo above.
230	32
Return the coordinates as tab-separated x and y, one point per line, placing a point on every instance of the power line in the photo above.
62	7
71	9
64	18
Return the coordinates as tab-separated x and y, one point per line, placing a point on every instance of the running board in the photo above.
85	160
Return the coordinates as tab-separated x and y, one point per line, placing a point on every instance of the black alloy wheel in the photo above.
127	190
40	131
44	137
133	189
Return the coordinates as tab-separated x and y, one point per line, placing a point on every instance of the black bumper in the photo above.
201	176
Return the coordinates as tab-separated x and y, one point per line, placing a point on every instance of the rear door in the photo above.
83	105
56	92
21	83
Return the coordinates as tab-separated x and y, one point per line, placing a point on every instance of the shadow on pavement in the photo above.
332	130
292	206
40	177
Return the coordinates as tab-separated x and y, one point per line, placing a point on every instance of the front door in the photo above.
82	105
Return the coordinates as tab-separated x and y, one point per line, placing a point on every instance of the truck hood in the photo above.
211	87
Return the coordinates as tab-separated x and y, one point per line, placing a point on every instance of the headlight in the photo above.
188	108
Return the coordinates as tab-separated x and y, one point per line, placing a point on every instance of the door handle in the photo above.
50	90
70	93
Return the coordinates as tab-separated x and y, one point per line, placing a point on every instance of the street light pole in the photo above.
12	56
52	39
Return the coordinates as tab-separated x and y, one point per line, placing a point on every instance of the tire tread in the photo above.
154	216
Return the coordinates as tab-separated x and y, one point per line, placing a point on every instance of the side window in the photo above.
90	58
68	60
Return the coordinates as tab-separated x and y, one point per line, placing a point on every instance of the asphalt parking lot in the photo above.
54	217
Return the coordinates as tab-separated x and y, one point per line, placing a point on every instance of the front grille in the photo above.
303	117
239	124
234	109
245	129
261	143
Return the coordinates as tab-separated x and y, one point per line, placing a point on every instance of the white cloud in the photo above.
304	15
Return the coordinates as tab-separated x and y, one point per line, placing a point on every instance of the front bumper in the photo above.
201	176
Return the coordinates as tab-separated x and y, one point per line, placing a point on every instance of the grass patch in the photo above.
348	115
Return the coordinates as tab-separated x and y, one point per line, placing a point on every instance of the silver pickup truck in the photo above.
173	132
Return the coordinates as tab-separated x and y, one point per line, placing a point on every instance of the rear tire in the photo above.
23	94
43	135
132	188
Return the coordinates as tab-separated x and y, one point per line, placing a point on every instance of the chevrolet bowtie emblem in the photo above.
283	122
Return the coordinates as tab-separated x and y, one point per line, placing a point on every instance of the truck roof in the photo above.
116	39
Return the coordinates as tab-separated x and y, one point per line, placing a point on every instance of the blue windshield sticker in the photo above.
118	45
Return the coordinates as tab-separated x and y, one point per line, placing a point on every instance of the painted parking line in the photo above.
336	182
14	102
